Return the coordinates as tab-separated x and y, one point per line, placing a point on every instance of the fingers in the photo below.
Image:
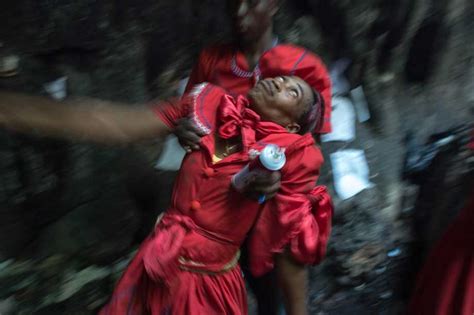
199	132
267	190
188	139
268	178
252	194
190	126
264	185
189	135
187	148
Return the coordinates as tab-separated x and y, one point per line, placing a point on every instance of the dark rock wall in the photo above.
65	206
80	209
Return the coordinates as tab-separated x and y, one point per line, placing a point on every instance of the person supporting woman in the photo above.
189	263
255	52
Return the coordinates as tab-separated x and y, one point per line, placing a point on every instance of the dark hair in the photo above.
311	118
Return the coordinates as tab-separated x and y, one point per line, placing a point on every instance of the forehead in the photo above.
301	83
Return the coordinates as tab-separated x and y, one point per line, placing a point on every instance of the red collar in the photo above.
236	118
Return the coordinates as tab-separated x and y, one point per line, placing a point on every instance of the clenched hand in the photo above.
267	185
188	134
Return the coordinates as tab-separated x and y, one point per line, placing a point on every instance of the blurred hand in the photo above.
188	134
266	184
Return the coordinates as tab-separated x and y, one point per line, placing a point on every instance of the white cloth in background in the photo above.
57	89
351	172
360	103
340	84
342	121
171	156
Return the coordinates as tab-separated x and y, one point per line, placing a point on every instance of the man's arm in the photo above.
84	119
293	280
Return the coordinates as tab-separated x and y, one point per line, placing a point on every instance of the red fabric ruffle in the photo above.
302	221
154	283
236	118
445	285
309	246
162	250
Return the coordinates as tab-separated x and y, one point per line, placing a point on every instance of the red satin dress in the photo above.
189	264
227	67
446	283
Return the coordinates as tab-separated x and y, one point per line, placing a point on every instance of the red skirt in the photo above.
446	282
154	286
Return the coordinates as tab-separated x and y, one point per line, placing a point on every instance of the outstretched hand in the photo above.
264	185
188	134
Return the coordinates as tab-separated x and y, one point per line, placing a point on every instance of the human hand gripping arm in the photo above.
188	134
83	119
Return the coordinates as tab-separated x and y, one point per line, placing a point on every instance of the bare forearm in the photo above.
82	119
293	280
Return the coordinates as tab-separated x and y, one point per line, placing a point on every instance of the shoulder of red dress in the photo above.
294	50
203	97
299	142
218	50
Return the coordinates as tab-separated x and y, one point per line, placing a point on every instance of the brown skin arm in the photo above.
188	134
293	281
89	120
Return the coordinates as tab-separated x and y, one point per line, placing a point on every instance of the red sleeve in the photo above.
298	218
200	72
200	105
170	111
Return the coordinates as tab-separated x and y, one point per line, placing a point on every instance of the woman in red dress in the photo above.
256	53
189	264
446	283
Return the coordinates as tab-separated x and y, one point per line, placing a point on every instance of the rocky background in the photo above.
71	214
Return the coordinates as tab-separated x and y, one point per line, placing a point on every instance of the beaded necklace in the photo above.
237	71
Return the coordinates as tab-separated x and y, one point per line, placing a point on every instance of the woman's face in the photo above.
282	99
252	18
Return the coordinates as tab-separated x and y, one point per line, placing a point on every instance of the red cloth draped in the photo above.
208	221
446	283
236	118
310	245
154	282
234	115
166	239
301	221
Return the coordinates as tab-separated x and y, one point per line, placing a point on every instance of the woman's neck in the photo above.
254	50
